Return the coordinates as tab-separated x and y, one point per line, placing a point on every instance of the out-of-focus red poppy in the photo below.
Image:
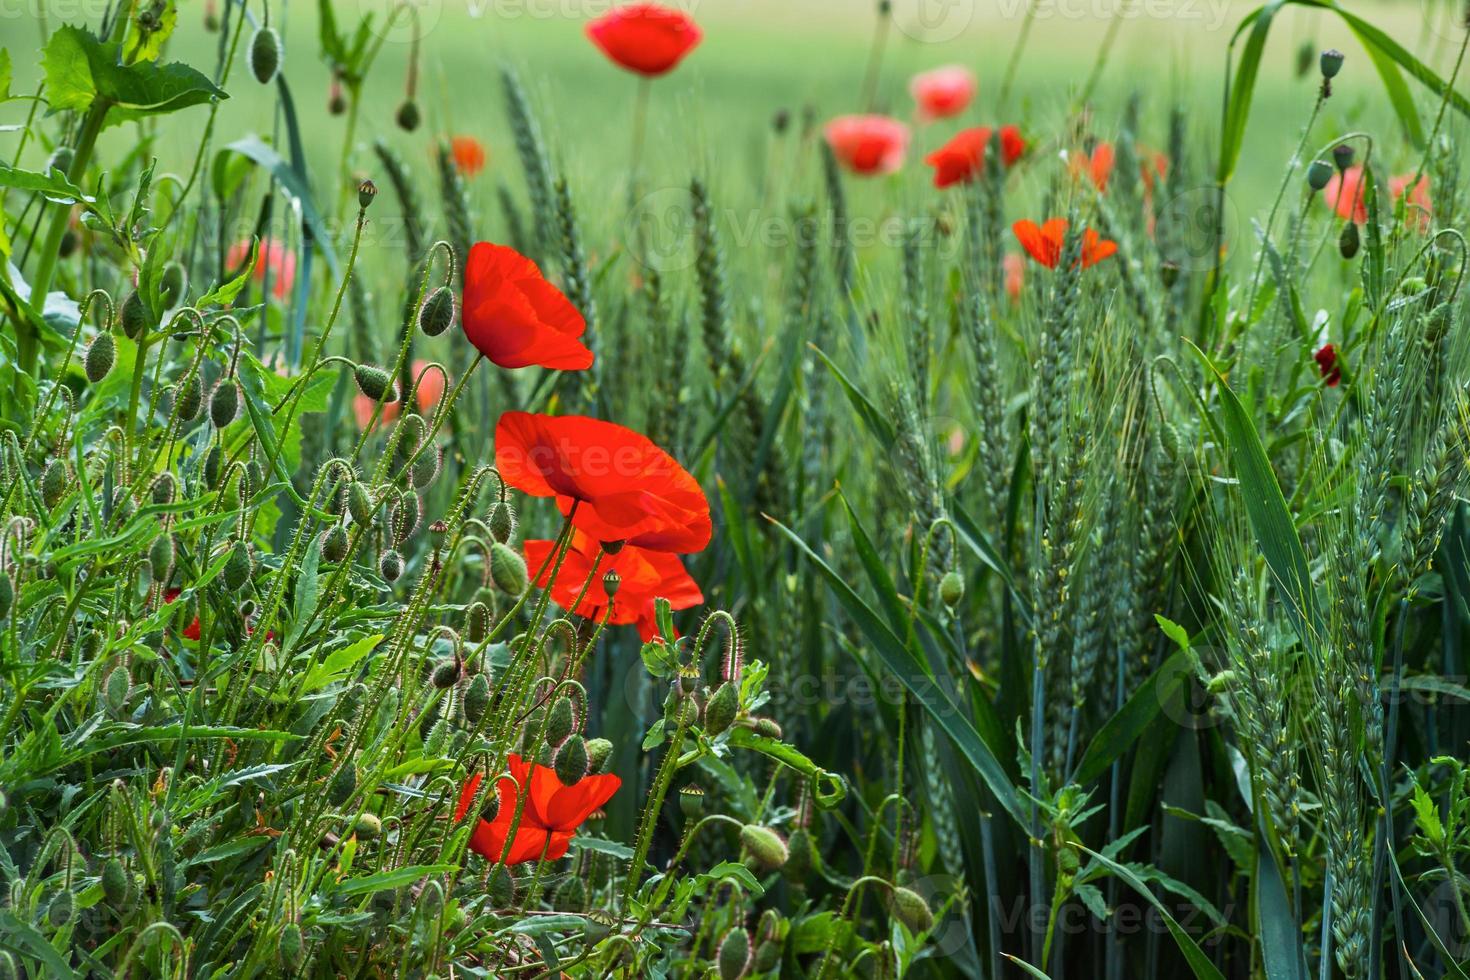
1044	243
513	316
190	632
962	159
1344	194
1099	165
550	818
275	258
868	145
626	488
943	92
1327	366
1419	210
645	576
645	37
468	153
1015	273
430	390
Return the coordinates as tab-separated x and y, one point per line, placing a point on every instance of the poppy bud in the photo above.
909	907
491	809
214	462
1342	155
368	826
161	557
291	946
798	855
390	566
360	503
335	544
477	699
1319	172
375	382
54	480
765	845
1347	242
7	595
507	569
691	801
224	403
114	883
599	755
189	397
253	479
408	115
265	54
1168	274
501	887
438	312
446	672
336	101
781	121
412	428
502	521
101	355
560	722
722	708
238	567
343	785
571	760
1331	63
134	316
172	284
161	490
116	687
767	727
477	622
366	191
734	955
952	588
426	466
405	517
767	956
1304	58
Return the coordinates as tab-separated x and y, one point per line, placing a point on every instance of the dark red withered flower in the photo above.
1327	366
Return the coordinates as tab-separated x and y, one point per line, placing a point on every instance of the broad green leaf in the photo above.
1281	936
828	788
54	186
337	663
5	74
1118	734
387	880
80	70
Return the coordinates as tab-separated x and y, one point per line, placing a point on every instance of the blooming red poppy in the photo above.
550	818
1419	210
868	145
1100	165
191	632
943	92
645	576
645	37
513	316
1044	243
430	390
626	488
468	153
962	158
1344	194
1326	358
275	259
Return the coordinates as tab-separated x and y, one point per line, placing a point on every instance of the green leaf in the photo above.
5	74
225	293
1281	936
337	663
294	185
730	871
147	45
34	944
1025	967
1119	733
81	70
387	880
1173	631
54	186
828	788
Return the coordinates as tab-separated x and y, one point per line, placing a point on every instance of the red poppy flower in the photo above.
1015	273
943	92
1344	194
430	390
275	258
963	157
550	818
644	37
1098	165
1419	209
1044	243
191	632
627	488
515	317
1326	358
468	153
645	576
868	145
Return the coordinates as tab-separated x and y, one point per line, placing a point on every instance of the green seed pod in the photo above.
798	855
189	397
507	569
161	557
253	480
501	887
390	566
597	925
368	826
161	490
224	403
366	192
767	956
214	464
426	466
291	946
1319	172
477	699
343	785
335	544
502	521
101	355
723	706
117	687
54	481
951	588
173	284
376	383
134	316
734	955
611	582
437	313
599	755
765	845
238	567
1331	62
115	883
570	895
265	54
1347	242
408	116
561	721
7	594
60	911
691	801
360	504
1342	156
445	674
767	727
909	907
571	760
477	622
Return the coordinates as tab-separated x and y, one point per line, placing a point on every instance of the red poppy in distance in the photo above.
513	316
943	92
550	818
645	576
430	390
1344	194
275	259
626	488
468	153
868	145
1326	358
1015	275
645	37
1418	211
962	159
1044	243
